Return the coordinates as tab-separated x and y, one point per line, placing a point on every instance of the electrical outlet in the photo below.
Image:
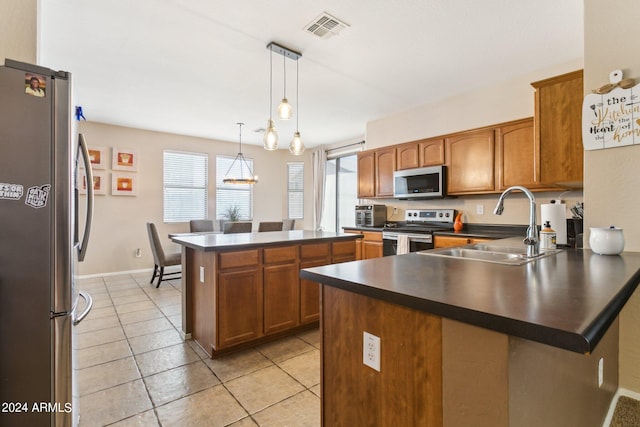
480	209
371	351
395	211
600	372
201	274
138	253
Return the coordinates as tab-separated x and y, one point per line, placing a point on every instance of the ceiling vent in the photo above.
325	26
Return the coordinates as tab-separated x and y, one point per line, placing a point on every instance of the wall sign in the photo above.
611	119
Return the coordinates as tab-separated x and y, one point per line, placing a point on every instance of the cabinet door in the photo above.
470	159
517	155
408	156
310	294
281	297
431	152
239	307
366	174
558	128
385	166
358	243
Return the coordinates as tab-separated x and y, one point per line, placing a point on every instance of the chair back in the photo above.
288	224
156	246
199	225
270	226
237	227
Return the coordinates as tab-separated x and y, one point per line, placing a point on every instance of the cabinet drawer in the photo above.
277	255
372	236
238	259
316	250
346	248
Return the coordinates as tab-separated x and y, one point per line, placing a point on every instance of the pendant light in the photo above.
229	178
270	138
296	147
285	110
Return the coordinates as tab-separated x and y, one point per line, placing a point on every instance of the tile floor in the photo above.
134	369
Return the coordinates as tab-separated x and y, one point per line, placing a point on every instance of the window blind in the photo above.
233	195
185	186
295	189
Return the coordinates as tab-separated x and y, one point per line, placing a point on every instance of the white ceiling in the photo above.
196	67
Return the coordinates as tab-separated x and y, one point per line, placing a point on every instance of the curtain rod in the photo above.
344	146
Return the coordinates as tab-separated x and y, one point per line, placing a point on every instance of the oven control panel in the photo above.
430	215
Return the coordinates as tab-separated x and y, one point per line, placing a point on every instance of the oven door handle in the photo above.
420	239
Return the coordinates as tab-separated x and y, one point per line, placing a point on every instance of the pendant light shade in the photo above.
285	110
270	138
230	177
296	147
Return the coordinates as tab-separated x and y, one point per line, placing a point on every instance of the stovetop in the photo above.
423	221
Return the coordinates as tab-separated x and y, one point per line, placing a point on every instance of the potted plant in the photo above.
231	214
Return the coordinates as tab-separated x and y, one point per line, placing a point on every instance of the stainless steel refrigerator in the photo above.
40	245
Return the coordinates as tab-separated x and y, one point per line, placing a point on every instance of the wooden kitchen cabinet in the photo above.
422	153
239	305
558	129
385	166
450	241
281	288
470	158
312	255
366	174
370	246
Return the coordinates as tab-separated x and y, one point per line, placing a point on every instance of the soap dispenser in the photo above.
547	237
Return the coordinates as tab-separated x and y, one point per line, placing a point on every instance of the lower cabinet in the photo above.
280	282
448	241
370	246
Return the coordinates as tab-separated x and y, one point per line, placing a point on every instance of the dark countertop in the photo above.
224	242
567	300
491	231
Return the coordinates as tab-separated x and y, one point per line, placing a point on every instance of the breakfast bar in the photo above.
466	342
243	289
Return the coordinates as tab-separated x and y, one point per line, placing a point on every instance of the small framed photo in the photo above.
99	183
97	157
124	159
124	184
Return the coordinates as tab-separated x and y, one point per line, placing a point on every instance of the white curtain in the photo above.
319	161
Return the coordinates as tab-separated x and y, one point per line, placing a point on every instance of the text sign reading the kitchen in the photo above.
611	119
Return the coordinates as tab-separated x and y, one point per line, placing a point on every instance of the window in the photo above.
295	187
340	192
185	186
230	196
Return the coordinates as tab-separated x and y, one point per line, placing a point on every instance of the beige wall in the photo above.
612	41
18	30
119	221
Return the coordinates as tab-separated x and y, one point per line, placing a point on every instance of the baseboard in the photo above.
120	273
612	407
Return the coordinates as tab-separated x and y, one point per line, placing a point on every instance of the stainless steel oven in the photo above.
417	228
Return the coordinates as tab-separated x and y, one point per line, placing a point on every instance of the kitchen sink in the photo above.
489	253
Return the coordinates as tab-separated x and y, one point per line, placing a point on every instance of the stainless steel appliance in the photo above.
371	215
38	246
418	228
420	183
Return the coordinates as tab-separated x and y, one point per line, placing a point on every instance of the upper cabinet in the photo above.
470	162
557	129
375	172
417	154
366	174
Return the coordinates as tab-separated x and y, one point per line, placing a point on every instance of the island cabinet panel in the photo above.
202	299
238	298
312	255
281	289
407	391
470	160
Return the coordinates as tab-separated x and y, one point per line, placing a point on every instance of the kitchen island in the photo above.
473	343
243	289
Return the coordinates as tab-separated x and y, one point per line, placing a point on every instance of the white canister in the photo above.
606	240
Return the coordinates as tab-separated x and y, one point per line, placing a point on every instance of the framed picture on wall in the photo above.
124	184
124	159
97	157
99	183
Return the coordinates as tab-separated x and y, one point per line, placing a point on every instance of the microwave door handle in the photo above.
82	146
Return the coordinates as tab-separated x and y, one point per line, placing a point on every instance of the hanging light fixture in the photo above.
270	138
285	110
229	178
296	147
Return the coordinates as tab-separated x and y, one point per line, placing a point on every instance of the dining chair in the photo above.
237	227
270	226
200	225
160	259
288	224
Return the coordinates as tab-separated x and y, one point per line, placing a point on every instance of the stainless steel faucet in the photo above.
533	238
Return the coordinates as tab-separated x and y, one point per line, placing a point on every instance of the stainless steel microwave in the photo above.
420	183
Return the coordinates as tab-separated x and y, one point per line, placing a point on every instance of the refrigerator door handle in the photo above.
82	146
89	304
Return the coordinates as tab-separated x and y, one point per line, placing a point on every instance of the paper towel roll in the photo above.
556	214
